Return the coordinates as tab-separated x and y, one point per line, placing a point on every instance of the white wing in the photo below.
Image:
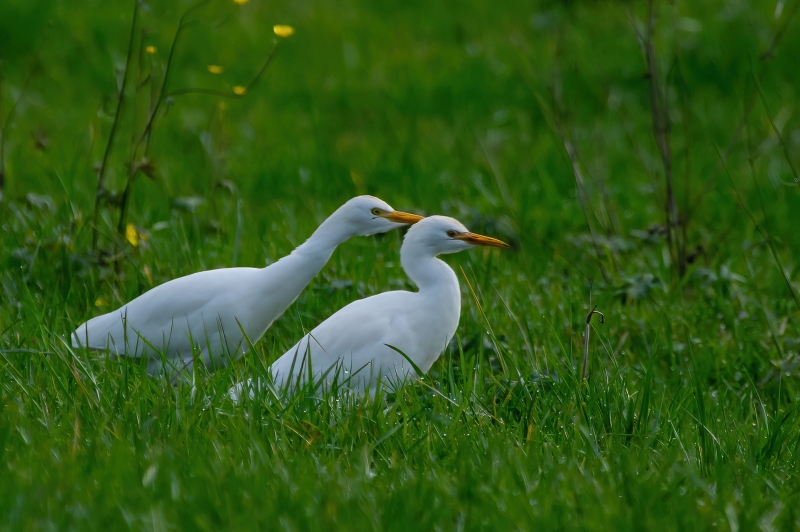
200	309
352	346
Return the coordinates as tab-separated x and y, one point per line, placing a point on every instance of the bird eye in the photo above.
376	211
451	233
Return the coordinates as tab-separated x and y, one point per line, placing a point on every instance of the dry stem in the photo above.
586	341
120	98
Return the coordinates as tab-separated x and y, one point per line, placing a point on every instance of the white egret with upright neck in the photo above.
361	344
214	315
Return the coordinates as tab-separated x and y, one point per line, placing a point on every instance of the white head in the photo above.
368	215
442	234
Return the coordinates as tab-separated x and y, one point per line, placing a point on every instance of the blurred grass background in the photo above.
530	121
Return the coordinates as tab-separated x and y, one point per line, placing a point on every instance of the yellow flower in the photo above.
240	2
132	235
238	90
283	31
151	49
215	69
100	302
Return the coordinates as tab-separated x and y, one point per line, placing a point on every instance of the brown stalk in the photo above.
548	113
604	200
661	131
555	121
182	24
680	85
550	116
120	98
764	235
163	95
132	169
578	174
586	341
223	94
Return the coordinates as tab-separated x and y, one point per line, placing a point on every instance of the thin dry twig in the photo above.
661	131
230	95
581	188
764	235
556	123
117	113
132	168
682	91
576	170
182	25
586	341
162	96
549	117
748	108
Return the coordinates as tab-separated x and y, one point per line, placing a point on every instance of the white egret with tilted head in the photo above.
213	316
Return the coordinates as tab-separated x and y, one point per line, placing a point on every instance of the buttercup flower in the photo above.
283	31
132	235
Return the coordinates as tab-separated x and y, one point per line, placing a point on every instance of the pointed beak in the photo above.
403	217
475	239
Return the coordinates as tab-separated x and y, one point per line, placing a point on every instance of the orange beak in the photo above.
480	240
403	217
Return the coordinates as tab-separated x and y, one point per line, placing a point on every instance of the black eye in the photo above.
376	211
451	233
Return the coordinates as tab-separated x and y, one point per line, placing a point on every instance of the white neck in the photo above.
323	242
425	270
438	302
289	276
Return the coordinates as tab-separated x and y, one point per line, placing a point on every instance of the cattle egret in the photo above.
205	316
361	344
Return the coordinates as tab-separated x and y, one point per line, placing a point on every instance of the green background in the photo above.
478	110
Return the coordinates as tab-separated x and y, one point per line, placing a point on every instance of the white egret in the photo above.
205	316
360	344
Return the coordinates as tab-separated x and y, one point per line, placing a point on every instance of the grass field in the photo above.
642	161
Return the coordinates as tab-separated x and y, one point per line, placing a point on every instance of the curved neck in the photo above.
307	259
323	242
425	270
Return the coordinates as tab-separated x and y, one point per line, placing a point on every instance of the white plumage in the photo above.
351	348
205	316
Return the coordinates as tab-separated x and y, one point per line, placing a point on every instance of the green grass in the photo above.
690	417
